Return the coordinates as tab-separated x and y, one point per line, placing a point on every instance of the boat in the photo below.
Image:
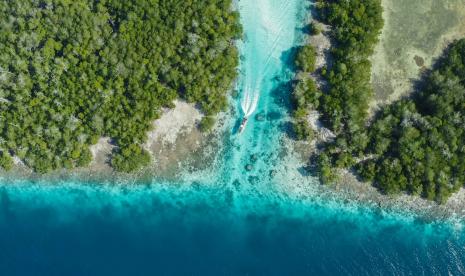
243	124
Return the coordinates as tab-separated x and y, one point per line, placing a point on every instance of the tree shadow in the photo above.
288	57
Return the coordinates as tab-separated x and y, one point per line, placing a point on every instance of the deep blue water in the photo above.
75	229
227	220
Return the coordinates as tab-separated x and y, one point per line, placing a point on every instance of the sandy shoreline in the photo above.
202	150
298	181
174	139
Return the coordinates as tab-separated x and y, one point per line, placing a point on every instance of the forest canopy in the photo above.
305	93
73	71
356	25
417	145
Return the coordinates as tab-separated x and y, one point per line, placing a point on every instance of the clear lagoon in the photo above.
232	219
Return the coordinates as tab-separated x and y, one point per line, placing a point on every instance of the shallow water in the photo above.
228	220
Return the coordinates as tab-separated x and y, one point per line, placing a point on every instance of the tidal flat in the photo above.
415	33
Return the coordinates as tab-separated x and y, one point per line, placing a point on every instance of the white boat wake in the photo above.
249	101
248	104
268	29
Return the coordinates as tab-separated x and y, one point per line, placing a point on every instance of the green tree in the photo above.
73	71
207	123
130	158
306	58
6	162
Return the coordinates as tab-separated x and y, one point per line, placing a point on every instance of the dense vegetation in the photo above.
305	59
305	92
355	25
72	71
418	145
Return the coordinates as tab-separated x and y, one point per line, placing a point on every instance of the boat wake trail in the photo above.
267	37
249	101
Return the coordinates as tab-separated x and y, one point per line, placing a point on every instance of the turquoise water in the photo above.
227	220
271	30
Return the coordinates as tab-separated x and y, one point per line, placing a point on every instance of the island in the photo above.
75	71
415	144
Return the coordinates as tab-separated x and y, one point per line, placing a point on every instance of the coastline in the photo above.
300	184
172	143
349	191
348	187
177	146
292	181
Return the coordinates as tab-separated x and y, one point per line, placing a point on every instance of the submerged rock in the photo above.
249	167
254	157
260	117
272	173
236	183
